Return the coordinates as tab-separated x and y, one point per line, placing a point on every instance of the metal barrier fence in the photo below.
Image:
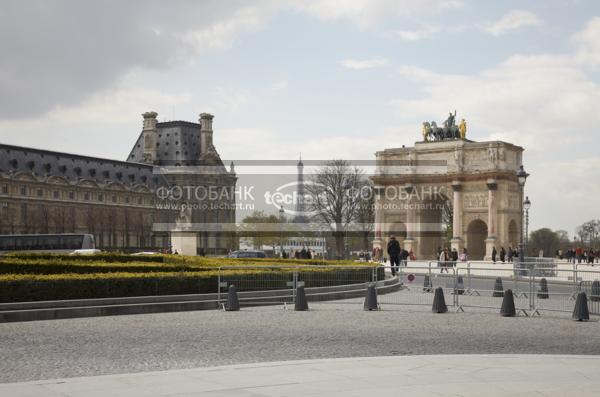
466	285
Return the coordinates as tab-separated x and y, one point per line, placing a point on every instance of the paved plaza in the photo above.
155	342
435	375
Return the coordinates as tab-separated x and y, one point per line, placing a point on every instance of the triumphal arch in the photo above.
449	191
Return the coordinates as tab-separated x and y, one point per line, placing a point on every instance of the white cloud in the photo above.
223	32
513	20
263	143
366	13
229	99
111	106
527	99
588	44
545	103
418	34
360	64
279	85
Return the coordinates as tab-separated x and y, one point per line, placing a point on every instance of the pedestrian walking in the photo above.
393	250
502	255
494	253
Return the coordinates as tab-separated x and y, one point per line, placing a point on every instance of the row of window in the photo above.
72	195
307	243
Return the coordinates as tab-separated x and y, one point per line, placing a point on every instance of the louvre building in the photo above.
50	192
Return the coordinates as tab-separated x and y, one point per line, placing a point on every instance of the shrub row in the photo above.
104	257
69	264
20	288
25	266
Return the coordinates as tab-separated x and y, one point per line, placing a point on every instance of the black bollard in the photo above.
595	295
427	286
301	302
580	312
508	305
371	298
498	289
439	303
233	303
459	288
543	292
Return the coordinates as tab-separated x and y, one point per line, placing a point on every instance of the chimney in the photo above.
206	133
150	134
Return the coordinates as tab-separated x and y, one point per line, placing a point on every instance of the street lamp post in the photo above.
522	178
526	206
281	214
347	186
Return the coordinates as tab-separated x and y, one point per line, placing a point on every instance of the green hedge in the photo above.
91	286
24	266
180	259
104	257
44	264
20	288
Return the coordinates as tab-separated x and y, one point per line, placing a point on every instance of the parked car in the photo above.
248	254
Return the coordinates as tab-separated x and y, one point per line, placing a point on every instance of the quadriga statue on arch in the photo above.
431	131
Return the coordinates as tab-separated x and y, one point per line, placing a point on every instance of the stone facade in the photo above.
50	192
418	187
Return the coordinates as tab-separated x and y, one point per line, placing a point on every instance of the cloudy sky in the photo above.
328	78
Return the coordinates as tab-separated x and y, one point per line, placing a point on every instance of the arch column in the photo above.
490	242
379	217
458	241
410	242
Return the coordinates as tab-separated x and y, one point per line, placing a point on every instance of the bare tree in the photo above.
366	212
589	231
333	198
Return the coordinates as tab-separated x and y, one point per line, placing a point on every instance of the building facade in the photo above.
468	186
119	202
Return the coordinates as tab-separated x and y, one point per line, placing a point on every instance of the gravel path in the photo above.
106	345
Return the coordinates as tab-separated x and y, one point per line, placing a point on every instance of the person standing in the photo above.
509	254
494	253
454	256
404	257
393	250
465	255
578	254
502	255
443	259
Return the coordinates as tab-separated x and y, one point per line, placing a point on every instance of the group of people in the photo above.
505	255
448	257
298	254
579	255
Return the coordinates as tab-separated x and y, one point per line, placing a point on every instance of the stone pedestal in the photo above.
184	243
377	243
490	242
410	244
458	244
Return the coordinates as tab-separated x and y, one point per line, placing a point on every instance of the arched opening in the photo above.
513	234
397	229
435	219
476	235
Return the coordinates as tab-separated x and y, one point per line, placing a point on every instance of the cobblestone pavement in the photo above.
120	344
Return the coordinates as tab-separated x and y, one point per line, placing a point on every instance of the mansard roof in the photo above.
75	168
178	142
